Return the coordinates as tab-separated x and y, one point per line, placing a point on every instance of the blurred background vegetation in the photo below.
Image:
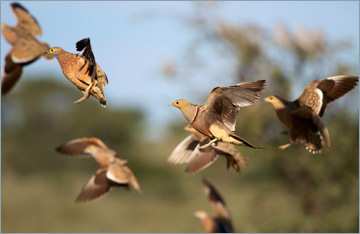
278	191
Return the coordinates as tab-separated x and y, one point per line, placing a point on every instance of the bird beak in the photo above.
172	104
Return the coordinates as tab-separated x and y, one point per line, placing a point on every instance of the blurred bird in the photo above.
82	70
25	47
216	119
303	116
221	222
190	151
113	170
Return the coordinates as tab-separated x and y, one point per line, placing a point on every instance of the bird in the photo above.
82	70
113	171
221	222
303	115
25	50
216	119
189	151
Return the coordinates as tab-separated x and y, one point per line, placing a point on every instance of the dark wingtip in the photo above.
80	45
18	5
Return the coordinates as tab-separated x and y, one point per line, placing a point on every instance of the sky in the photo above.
131	40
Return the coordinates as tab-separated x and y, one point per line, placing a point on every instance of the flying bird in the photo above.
82	70
113	170
216	119
189	151
303	116
25	47
221	222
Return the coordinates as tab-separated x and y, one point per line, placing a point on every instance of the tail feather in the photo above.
245	143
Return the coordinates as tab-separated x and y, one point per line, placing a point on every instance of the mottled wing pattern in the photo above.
78	146
25	21
97	186
11	74
319	93
226	101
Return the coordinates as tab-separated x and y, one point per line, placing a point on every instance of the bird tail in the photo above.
243	142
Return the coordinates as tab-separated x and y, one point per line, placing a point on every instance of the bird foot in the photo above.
212	143
282	147
86	93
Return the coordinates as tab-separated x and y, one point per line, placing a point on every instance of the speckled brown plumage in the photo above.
25	47
113	170
82	71
303	116
221	222
189	151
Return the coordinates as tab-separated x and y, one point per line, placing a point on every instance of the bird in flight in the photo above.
303	116
216	119
25	50
82	70
113	171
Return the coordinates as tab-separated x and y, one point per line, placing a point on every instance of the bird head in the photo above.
55	51
271	99
181	104
200	214
277	102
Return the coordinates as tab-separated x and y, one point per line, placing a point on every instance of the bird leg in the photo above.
282	147
212	142
86	93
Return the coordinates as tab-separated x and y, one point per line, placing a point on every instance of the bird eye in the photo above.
271	98
52	50
177	103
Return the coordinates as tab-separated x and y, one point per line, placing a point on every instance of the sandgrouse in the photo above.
216	119
113	170
189	151
82	70
303	116
25	47
221	222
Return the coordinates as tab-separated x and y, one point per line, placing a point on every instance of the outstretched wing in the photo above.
25	21
97	186
78	146
319	93
216	200
225	102
85	45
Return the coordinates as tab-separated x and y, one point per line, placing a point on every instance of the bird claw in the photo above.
212	143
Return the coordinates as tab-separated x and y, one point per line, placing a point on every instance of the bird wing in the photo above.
201	158
25	21
121	174
305	112
225	102
183	151
11	74
78	146
319	93
216	200
97	186
26	50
